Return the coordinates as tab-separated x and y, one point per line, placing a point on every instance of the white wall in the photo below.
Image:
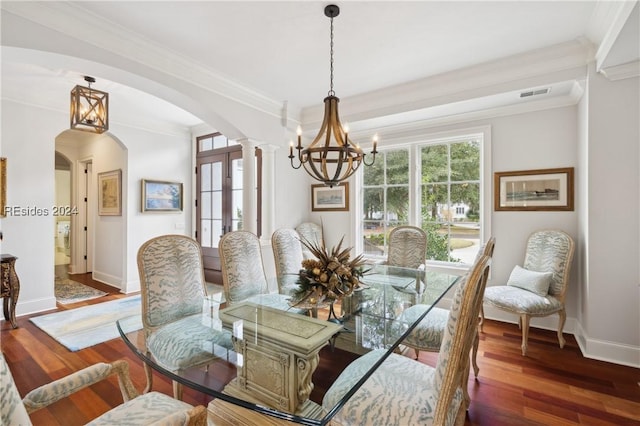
161	157
29	149
611	309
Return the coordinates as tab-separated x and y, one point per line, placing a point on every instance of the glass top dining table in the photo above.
268	368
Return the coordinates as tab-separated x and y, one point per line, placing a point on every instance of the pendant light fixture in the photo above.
332	157
89	108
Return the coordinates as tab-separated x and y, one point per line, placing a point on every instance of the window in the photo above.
435	185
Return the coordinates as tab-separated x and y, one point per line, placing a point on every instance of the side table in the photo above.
10	288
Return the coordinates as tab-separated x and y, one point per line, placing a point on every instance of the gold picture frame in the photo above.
161	196
324	198
3	186
534	190
110	193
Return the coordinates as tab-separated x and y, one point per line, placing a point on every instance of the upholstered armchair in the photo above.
243	273
287	254
172	289
311	232
146	409
538	288
428	334
402	391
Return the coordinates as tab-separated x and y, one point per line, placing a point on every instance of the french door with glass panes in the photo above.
219	200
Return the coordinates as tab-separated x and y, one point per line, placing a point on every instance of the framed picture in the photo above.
534	190
3	185
110	193
159	196
324	198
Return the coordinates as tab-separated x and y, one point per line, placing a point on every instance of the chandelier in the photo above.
323	160
89	108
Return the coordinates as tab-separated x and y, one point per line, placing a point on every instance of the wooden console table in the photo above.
10	288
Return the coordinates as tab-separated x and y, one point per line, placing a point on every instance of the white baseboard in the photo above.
34	306
108	279
602	350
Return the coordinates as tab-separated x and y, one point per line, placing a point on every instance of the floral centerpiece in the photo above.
330	276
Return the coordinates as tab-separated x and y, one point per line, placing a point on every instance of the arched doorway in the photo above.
92	238
63	212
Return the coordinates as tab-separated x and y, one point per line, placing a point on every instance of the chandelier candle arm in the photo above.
331	158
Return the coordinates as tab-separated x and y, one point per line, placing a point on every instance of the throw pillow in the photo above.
533	281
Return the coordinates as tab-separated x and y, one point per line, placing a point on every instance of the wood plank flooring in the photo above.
550	386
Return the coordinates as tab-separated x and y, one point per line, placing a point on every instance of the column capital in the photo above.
248	142
268	147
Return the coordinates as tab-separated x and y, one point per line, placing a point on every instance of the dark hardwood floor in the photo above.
550	386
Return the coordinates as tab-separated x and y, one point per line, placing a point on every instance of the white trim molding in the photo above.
620	72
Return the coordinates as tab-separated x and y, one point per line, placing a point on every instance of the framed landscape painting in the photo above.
534	190
159	196
324	198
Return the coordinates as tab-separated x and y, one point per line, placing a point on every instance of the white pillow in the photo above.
535	282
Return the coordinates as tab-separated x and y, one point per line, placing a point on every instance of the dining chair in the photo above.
287	254
404	391
145	409
538	288
172	288
427	335
243	273
407	247
313	233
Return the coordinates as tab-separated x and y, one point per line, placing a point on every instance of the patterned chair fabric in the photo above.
394	395
287	253
243	272
546	251
149	409
172	291
407	247
311	232
427	336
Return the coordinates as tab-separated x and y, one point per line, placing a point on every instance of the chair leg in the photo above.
149	376
177	390
562	318
524	321
474	354
465	384
481	323
520	323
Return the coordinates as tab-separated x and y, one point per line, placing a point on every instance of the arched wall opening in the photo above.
95	238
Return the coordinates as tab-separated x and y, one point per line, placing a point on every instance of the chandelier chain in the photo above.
331	92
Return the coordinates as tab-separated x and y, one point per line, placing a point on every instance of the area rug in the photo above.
68	291
89	325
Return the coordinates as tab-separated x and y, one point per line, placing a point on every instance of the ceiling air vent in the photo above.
534	92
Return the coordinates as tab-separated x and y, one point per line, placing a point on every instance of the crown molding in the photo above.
620	72
562	62
608	20
413	130
72	20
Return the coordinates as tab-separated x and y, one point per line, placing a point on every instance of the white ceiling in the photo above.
281	49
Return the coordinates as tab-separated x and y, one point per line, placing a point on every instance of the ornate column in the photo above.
268	190
249	201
